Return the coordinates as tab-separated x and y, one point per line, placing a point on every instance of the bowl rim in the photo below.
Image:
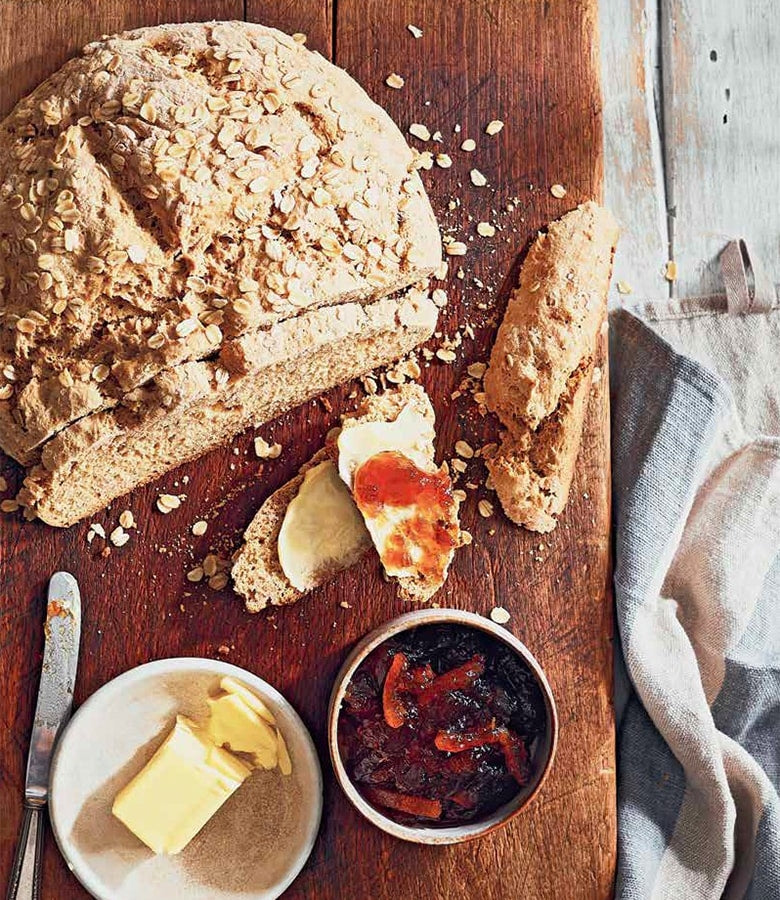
158	667
458	833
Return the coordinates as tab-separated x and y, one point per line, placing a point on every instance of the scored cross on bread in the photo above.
176	204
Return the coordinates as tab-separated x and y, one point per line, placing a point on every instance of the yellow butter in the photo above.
231	686
179	789
233	724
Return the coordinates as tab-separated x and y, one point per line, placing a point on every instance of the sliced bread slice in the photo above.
194	407
541	365
257	572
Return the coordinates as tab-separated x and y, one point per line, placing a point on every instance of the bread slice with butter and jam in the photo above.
337	508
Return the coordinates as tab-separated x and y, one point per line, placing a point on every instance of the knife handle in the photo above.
25	881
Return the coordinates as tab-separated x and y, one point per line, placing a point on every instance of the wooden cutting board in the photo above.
534	65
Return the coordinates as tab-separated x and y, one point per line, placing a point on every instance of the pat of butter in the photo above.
179	789
411	434
236	726
322	529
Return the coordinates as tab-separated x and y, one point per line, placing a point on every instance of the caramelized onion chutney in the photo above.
438	725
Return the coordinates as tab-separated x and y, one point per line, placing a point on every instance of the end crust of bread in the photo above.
257	573
541	365
196	406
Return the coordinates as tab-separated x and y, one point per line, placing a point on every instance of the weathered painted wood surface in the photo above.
476	61
691	93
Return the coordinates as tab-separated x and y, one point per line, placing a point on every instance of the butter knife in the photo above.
55	698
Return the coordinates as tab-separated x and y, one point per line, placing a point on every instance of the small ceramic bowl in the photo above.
114	734
542	752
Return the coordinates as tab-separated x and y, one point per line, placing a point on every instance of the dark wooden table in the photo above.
533	65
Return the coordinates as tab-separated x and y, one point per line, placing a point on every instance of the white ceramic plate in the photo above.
113	735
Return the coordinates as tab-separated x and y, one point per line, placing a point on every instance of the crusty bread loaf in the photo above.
169	193
196	406
257	573
542	361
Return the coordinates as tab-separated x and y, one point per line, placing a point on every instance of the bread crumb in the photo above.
670	272
485	229
264	450
499	615
415	31
624	287
345	605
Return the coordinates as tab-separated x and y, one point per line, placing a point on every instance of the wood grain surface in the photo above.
476	61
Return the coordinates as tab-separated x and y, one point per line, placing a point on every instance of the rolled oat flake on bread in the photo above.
176	202
541	365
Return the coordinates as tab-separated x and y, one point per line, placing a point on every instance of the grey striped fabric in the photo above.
696	484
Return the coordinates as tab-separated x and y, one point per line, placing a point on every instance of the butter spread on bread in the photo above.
321	527
541	364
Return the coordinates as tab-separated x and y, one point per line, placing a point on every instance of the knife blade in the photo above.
62	629
58	678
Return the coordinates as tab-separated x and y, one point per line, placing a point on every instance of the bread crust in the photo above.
541	364
187	186
197	406
257	573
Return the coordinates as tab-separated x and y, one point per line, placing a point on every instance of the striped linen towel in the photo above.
696	484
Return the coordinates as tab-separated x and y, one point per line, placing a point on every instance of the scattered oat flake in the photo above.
218	581
485	508
419	131
394	80
9	506
477	369
456	248
3	484
168	502
558	191
493	127
485	229
477	178
126	519
469	145
195	574
299	37
499	615
464	449
443	160
415	31
446	356
119	537
345	605
199	528
670	272
624	287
